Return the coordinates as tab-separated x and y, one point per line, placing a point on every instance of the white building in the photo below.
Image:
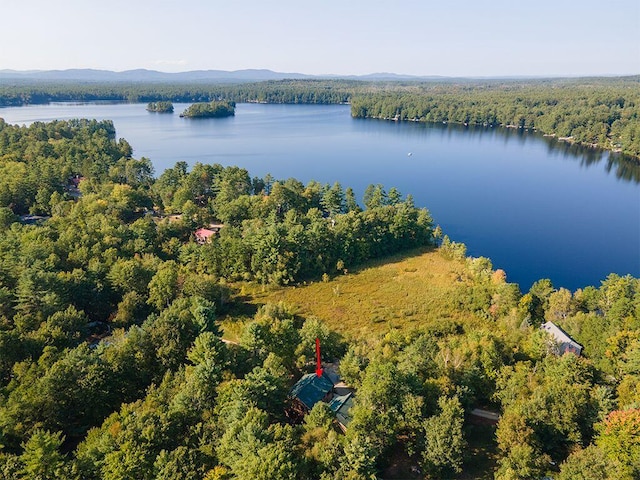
564	342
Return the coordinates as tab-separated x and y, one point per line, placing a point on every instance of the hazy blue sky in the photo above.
457	38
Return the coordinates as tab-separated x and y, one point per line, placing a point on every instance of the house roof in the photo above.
565	342
310	389
204	233
33	219
341	405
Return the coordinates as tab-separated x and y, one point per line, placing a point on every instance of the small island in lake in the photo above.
214	109
160	107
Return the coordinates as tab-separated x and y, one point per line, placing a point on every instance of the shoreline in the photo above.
570	140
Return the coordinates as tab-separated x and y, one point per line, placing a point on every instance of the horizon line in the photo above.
377	73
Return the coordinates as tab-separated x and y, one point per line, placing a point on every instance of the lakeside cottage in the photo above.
322	386
203	235
563	341
33	219
311	389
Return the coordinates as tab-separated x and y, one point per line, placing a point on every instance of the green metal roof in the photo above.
341	405
310	389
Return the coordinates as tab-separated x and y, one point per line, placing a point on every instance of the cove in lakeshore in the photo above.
538	208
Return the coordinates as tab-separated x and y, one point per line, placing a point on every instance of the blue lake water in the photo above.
536	207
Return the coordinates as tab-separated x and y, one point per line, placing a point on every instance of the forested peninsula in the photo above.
597	115
154	328
598	112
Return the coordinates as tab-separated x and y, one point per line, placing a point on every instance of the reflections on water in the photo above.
624	167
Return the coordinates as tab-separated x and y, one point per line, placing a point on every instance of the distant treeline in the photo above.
282	91
601	112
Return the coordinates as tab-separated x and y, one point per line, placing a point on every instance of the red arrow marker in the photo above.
318	360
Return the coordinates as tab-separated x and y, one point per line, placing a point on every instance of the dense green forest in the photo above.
214	109
284	91
603	112
112	363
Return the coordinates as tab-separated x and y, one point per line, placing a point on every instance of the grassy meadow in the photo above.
414	290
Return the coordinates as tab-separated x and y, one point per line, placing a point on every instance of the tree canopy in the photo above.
113	365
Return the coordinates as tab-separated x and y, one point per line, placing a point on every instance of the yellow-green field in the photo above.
411	290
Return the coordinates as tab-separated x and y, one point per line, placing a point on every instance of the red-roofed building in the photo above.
203	235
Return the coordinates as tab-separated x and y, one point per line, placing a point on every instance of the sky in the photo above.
345	37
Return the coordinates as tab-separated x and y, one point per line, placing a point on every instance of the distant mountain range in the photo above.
217	76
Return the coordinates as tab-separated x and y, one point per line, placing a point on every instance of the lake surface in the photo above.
536	207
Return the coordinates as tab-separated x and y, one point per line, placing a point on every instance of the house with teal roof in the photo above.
320	387
311	389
